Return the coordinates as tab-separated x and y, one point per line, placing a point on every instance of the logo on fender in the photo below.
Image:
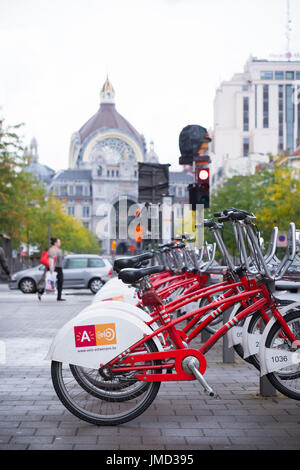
95	335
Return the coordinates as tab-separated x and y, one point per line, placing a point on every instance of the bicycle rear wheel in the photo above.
87	403
287	379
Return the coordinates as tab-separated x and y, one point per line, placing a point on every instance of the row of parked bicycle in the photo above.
110	360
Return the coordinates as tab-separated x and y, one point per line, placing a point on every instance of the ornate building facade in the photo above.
103	166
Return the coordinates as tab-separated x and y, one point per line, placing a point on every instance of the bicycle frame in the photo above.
135	352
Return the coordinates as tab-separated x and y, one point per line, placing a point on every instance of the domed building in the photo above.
43	173
106	133
103	166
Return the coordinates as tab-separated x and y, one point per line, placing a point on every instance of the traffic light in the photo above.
199	191
203	175
139	229
139	232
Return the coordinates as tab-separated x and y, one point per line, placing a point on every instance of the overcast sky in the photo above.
165	59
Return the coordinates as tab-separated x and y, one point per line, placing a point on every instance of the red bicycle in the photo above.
124	387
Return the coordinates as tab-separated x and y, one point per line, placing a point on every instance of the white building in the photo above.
256	113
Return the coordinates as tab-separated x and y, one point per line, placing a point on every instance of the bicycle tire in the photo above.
63	390
209	328
254	358
107	390
277	379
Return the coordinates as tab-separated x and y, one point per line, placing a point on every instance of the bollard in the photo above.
228	353
266	389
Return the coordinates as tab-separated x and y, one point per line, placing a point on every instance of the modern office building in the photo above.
256	113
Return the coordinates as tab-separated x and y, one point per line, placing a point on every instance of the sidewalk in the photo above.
181	417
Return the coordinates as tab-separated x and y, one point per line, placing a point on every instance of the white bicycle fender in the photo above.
113	284
120	294
94	338
234	335
122	306
250	341
271	359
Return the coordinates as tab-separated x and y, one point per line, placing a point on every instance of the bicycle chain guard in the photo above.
177	354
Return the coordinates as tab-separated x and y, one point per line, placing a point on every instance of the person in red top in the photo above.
55	264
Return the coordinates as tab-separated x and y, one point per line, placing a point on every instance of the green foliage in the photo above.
273	195
26	214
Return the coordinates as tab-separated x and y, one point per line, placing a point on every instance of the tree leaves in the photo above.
26	213
273	195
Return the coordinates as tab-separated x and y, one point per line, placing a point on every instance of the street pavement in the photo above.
181	417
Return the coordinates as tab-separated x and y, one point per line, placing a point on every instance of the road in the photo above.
181	417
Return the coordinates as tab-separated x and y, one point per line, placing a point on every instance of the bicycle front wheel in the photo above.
287	379
88	404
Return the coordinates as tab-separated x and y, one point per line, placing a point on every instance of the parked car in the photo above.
291	286
80	272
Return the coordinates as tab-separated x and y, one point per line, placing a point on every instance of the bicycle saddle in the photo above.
179	245
131	261
130	276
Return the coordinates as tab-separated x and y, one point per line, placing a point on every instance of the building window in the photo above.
279	75
78	190
266	75
290	117
266	106
135	173
117	172
108	173
179	191
298	75
245	146
71	190
64	190
245	113
245	88
99	170
280	117
71	210
112	172
85	211
289	75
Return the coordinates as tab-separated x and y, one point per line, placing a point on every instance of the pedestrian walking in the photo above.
4	263
56	263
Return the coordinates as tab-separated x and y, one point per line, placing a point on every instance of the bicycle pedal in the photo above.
191	365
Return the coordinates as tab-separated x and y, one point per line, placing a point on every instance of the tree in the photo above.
272	194
27	214
19	191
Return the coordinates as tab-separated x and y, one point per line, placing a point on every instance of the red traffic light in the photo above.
203	174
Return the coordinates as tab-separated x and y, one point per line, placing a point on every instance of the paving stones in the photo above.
182	417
